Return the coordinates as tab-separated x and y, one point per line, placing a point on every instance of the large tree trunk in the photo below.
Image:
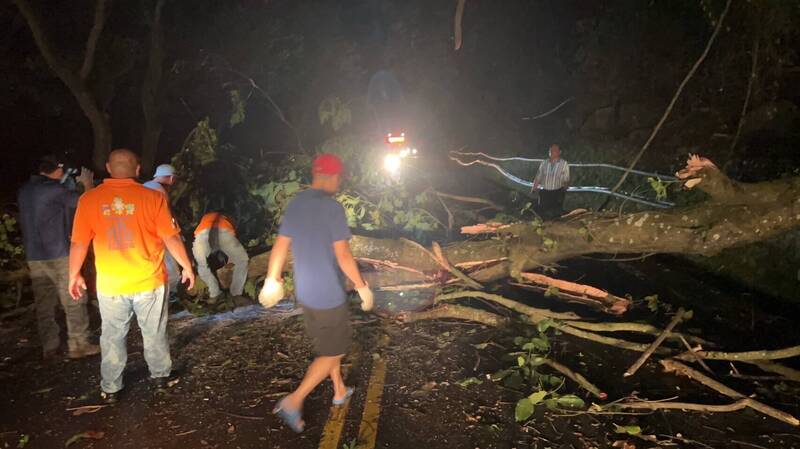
735	214
76	79
152	92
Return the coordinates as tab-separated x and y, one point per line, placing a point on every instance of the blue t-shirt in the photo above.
314	220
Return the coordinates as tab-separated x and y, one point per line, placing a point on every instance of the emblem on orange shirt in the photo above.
120	237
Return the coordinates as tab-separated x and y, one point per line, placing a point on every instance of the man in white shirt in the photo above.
162	181
552	181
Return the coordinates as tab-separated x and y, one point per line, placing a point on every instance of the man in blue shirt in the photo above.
315	227
46	209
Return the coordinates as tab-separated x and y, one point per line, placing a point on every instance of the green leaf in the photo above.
537	397
537	361
520	361
514	381
545	324
469	381
541	344
481	345
688	315
551	291
523	410
23	441
630	430
571	401
250	289
502	374
652	302
551	403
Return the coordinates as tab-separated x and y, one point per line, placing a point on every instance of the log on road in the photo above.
734	214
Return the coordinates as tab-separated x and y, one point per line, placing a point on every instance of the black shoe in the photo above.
162	383
109	398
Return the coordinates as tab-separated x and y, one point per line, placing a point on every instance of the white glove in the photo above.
367	298
271	293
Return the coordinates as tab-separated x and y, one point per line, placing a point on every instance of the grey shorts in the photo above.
329	329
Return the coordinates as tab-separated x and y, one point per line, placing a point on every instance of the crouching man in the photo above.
315	227
129	225
217	233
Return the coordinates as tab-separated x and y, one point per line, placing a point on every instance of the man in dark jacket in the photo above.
46	209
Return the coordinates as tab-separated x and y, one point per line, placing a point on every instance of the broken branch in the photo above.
764	354
577	378
643	358
456	312
445	264
681	369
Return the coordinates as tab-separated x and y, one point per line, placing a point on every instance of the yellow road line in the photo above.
368	431
332	431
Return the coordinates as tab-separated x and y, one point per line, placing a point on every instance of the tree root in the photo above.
681	369
577	378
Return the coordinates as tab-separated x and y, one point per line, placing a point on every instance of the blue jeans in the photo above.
152	314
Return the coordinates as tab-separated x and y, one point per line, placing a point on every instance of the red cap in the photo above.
327	164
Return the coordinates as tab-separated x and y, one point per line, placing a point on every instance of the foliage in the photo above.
469	381
238	108
335	112
10	241
531	352
199	150
629	430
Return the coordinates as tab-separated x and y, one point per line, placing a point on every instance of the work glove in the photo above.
367	298
271	293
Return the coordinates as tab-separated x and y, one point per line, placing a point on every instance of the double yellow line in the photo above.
368	430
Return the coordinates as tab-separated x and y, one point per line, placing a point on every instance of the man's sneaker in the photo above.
109	398
84	350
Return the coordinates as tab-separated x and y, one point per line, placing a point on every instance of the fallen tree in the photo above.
734	214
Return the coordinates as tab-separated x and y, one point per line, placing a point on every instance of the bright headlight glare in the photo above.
391	163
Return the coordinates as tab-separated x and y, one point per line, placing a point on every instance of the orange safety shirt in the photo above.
215	220
127	224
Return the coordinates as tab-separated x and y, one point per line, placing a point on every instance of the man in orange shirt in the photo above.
129	225
217	233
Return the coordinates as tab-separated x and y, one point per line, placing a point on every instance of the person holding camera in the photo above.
46	210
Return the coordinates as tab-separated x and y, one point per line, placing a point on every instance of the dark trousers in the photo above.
551	203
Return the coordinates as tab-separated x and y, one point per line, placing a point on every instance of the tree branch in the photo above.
681	369
675	97
660	339
94	36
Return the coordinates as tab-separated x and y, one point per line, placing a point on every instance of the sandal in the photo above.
347	394
291	418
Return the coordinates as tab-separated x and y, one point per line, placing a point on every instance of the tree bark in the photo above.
76	80
152	91
735	214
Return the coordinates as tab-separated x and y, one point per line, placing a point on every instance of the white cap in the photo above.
164	170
